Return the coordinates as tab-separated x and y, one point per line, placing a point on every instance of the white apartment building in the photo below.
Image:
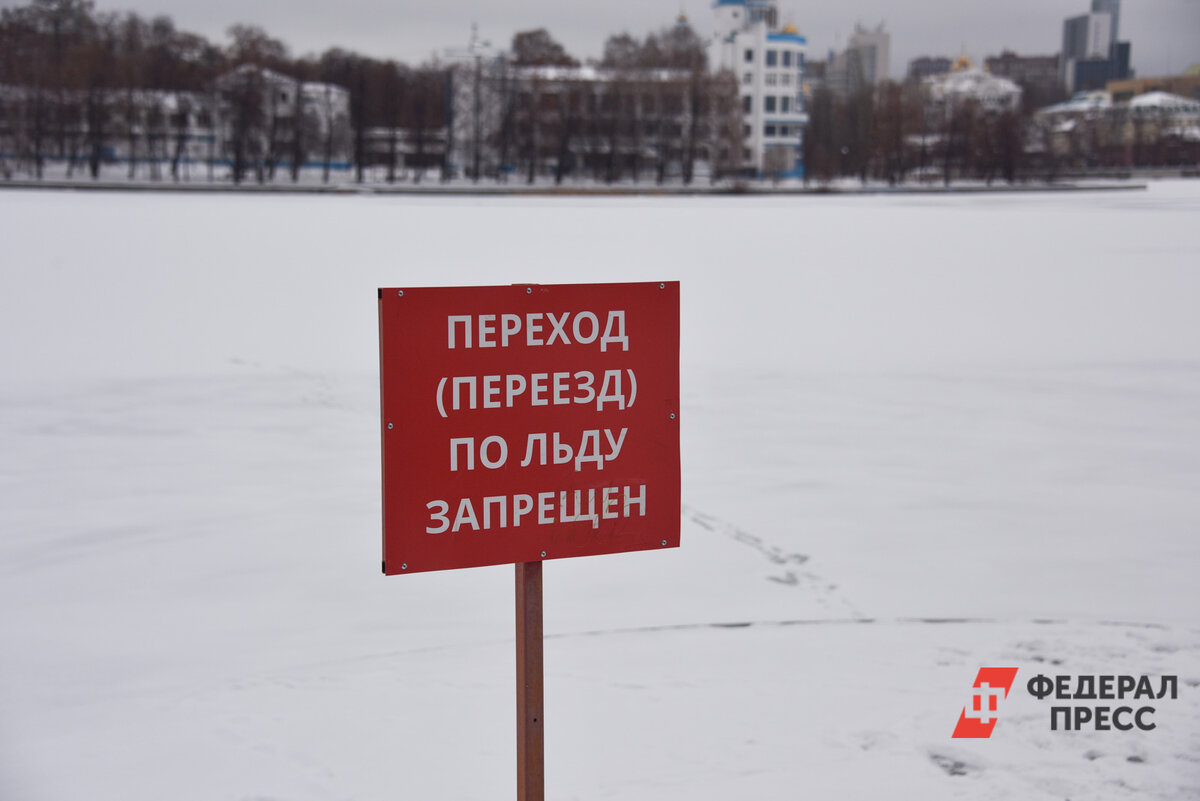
769	64
967	83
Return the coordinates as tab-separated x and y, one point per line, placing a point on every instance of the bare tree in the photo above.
822	146
250	44
526	117
327	117
359	116
621	51
537	48
1010	144
890	131
859	121
614	122
132	33
101	67
726	116
27	61
568	118
181	125
299	124
425	115
155	133
506	129
243	107
445	83
394	84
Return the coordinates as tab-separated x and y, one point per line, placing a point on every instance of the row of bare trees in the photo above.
629	126
92	90
77	85
649	109
891	132
95	90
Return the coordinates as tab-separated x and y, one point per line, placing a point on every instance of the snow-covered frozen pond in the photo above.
921	435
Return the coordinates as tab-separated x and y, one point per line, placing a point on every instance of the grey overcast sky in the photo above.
1165	33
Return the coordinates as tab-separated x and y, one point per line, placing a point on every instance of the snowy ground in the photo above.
921	435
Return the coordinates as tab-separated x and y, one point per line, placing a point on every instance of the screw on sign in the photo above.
523	423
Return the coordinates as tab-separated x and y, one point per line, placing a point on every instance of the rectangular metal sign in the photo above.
528	422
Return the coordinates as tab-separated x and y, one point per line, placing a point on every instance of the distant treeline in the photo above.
90	88
71	77
891	132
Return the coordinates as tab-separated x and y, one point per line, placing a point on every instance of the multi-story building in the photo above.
607	124
1094	129
925	66
845	73
1113	9
814	77
1033	72
265	119
874	48
251	119
864	62
615	122
967	83
1185	85
768	61
1086	38
1092	54
88	130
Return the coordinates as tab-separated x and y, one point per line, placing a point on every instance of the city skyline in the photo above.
1165	34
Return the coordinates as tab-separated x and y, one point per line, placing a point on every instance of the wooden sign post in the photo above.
523	423
531	738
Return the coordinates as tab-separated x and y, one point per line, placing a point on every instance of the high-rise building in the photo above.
768	61
1087	36
846	74
874	52
864	62
1113	9
1092	53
